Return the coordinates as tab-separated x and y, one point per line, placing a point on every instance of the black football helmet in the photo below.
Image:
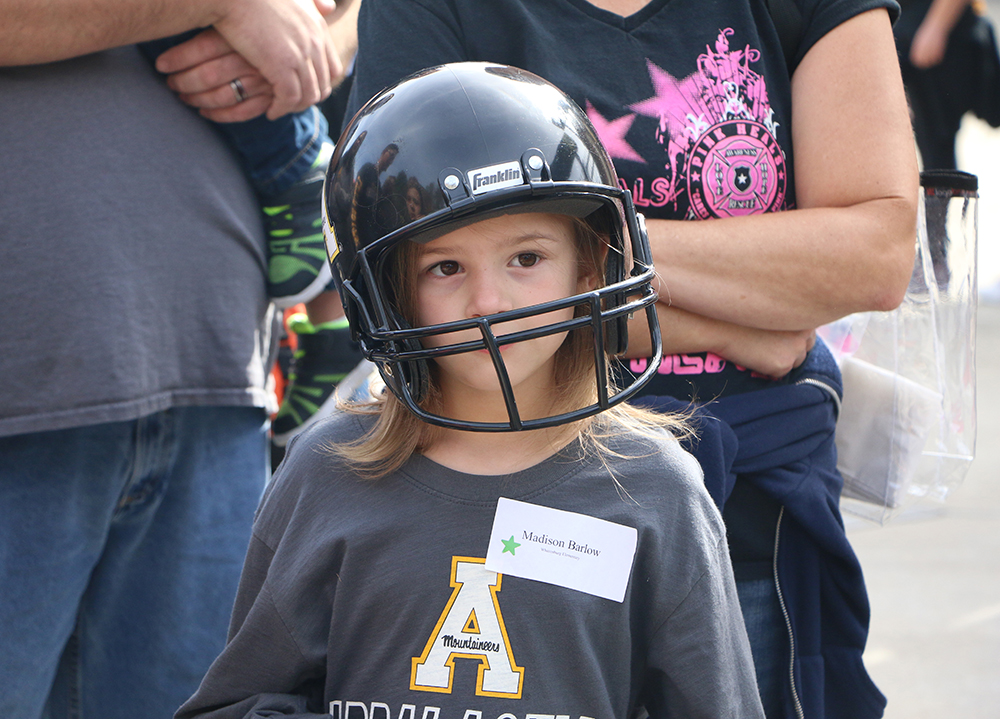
457	144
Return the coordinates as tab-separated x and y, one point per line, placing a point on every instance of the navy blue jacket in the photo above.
782	440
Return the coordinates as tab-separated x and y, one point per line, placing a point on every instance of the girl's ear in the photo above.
587	280
591	271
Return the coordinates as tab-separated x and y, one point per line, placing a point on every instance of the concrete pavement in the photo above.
933	576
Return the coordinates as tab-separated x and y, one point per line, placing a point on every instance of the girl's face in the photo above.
414	207
499	264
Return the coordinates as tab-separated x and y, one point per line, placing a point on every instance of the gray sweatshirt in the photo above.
368	599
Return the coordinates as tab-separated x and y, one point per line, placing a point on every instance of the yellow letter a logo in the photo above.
474	593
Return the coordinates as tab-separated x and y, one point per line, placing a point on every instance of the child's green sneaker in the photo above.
326	358
297	267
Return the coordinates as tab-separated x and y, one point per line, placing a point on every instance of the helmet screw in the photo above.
451	182
535	162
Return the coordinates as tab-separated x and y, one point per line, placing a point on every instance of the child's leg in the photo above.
309	393
286	160
278	153
326	361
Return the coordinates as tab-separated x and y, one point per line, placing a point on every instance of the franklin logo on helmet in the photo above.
495	177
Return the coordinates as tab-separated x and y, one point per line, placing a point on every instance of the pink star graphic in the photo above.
613	133
671	100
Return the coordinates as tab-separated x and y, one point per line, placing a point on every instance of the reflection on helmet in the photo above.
457	144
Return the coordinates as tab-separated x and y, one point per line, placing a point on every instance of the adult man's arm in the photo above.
201	69
286	40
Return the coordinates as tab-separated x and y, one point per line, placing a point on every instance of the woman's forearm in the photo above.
773	353
849	244
787	271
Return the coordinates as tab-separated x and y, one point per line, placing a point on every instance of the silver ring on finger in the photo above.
238	90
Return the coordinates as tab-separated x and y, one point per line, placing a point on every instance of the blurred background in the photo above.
933	572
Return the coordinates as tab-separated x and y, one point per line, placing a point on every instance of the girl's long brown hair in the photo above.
398	433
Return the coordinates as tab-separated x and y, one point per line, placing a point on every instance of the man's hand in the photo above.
202	70
282	44
210	65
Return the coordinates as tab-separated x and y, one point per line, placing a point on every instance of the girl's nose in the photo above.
488	294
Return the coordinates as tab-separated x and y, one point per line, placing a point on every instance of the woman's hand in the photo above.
772	353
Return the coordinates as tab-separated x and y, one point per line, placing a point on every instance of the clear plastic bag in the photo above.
907	428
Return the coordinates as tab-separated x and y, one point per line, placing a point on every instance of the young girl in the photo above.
495	535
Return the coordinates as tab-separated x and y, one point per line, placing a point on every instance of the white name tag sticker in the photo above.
563	548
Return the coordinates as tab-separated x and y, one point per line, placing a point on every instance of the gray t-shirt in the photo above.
355	591
132	267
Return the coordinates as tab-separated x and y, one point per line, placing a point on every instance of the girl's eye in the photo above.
445	269
527	259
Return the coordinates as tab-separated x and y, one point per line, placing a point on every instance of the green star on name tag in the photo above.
563	548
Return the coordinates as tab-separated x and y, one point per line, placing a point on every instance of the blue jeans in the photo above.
768	637
275	153
121	547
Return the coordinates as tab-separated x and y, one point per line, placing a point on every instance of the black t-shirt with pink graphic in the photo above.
692	99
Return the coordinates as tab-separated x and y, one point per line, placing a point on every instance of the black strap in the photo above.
787	20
